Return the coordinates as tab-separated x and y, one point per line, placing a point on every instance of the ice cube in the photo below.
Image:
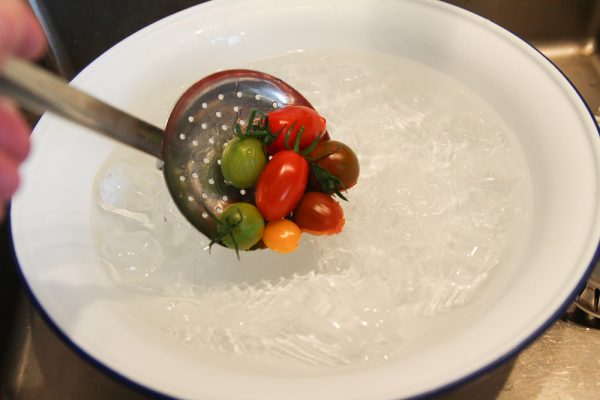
130	190
133	257
171	227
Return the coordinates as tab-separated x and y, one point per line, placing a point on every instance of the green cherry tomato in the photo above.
243	222
242	162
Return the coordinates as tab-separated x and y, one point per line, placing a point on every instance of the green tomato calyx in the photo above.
257	128
329	183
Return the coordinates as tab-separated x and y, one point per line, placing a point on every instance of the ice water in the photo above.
442	191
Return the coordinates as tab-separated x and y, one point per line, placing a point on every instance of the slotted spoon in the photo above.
199	126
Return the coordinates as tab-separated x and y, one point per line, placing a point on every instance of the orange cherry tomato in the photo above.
282	236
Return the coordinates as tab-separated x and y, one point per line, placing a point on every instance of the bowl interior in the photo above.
52	215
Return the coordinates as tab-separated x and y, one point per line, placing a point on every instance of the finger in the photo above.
33	43
20	32
9	176
14	132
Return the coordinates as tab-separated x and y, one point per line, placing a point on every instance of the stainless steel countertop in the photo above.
563	364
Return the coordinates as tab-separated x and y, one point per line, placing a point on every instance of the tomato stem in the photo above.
329	183
310	148
257	127
288	133
224	228
229	230
297	142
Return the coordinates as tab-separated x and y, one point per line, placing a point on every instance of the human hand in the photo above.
21	35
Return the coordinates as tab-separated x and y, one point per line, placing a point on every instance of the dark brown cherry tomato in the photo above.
319	214
281	184
339	160
294	118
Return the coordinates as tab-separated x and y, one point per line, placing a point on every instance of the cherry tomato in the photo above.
281	184
242	162
242	221
282	235
294	118
319	214
339	160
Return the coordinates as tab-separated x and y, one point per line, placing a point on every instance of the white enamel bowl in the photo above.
51	215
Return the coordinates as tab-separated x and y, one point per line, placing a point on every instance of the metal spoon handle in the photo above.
38	91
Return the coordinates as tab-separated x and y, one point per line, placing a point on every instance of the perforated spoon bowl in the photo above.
191	145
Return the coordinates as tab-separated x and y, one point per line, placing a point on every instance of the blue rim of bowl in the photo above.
434	392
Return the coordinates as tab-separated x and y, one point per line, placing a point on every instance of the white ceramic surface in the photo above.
145	74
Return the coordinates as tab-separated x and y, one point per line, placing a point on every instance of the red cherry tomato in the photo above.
281	184
294	118
339	160
319	214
